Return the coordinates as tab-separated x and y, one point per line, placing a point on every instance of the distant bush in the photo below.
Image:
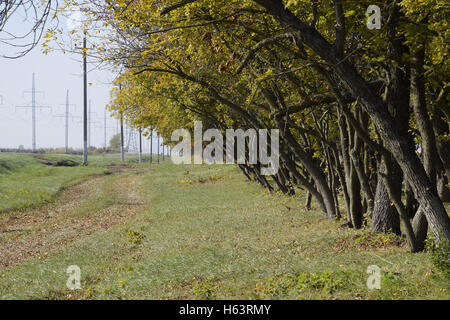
114	143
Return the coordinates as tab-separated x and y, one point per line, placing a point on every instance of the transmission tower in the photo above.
132	141
67	115
107	126
33	110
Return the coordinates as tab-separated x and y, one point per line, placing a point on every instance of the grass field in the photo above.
189	232
26	183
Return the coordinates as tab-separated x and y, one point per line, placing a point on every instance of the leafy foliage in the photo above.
440	255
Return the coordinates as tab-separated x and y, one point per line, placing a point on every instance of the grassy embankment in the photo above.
208	233
25	182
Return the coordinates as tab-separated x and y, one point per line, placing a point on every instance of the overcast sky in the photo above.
55	74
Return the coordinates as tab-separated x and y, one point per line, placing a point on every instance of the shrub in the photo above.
204	289
135	237
439	252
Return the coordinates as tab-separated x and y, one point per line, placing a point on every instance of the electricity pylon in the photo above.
66	117
132	143
33	111
106	126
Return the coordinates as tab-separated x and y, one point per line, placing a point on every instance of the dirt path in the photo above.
88	207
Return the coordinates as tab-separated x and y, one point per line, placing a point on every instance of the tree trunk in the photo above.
308	201
290	165
443	173
364	181
345	181
425	126
310	165
443	190
356	154
385	217
420	227
411	202
355	198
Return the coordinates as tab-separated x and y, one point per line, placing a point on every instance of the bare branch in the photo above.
181	4
259	45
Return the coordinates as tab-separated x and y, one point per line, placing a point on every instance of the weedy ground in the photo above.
186	232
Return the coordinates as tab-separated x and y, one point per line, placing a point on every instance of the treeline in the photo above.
362	114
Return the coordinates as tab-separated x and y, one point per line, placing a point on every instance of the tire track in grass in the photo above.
91	206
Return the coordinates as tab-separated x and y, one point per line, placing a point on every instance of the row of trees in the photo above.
362	114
